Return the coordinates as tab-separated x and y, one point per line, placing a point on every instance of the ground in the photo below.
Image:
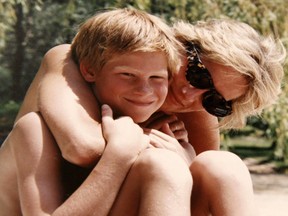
271	194
270	188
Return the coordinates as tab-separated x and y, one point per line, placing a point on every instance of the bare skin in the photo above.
69	92
218	191
41	170
72	85
42	191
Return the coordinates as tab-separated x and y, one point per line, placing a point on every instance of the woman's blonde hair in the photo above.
236	44
120	31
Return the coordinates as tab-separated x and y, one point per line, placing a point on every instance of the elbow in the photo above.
84	154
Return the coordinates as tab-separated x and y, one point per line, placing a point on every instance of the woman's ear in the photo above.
87	73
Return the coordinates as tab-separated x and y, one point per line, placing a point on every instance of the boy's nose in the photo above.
143	87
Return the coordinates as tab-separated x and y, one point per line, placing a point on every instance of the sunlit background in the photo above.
28	28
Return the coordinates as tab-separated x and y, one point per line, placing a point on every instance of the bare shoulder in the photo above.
58	55
62	48
52	63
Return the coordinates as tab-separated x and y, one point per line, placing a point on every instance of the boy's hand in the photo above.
123	136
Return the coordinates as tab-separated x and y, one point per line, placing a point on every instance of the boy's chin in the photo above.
137	118
140	120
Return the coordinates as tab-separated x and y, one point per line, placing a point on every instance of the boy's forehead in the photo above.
149	61
137	55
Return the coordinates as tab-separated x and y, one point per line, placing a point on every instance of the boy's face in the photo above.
134	84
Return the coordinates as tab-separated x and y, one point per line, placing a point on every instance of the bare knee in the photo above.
220	166
159	183
163	165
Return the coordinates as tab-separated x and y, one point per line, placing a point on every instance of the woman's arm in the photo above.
203	131
70	109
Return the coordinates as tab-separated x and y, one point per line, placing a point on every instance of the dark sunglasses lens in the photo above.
199	78
216	105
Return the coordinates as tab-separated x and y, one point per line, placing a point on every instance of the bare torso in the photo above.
9	198
71	175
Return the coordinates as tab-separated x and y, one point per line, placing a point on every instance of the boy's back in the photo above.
35	164
9	197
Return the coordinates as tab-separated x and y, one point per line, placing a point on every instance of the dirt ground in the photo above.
271	194
270	188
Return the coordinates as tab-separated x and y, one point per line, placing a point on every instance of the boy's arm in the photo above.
39	170
125	141
203	131
70	108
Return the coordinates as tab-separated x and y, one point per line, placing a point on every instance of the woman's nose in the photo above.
191	93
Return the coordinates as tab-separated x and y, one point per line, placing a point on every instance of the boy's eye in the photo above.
158	77
127	74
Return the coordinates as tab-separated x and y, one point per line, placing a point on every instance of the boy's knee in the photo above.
163	165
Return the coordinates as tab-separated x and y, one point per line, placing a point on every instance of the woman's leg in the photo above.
159	183
222	185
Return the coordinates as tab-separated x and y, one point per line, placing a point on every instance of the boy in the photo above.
130	70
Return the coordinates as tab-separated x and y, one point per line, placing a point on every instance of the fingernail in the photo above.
105	106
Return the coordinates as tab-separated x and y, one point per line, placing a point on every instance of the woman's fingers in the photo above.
157	120
167	130
179	131
162	140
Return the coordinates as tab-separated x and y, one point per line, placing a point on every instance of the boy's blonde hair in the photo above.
120	31
236	44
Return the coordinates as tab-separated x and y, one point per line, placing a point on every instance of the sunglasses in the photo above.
199	77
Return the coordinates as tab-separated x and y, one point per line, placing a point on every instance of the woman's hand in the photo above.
168	124
159	139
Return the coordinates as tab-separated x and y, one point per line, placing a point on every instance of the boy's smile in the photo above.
134	85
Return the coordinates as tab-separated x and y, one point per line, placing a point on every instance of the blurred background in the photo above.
28	28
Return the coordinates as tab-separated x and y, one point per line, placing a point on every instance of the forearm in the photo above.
77	134
203	131
70	109
99	191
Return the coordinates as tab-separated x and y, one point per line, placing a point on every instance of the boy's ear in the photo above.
87	73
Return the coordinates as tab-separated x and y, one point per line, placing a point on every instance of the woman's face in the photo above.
183	97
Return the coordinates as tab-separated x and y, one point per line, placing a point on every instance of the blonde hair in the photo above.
120	31
236	44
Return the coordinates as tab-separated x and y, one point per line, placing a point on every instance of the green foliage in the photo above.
8	112
277	117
